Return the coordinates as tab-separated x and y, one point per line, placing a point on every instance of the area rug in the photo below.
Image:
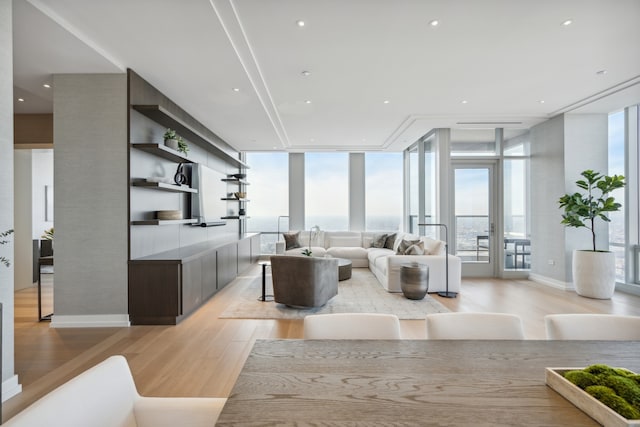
360	294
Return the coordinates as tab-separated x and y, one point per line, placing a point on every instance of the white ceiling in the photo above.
501	56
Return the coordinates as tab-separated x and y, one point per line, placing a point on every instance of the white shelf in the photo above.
164	221
165	186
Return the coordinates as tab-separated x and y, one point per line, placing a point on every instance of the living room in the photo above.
520	136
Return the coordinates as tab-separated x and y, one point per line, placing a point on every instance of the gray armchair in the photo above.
301	281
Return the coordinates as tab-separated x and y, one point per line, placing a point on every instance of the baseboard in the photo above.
91	321
10	388
553	283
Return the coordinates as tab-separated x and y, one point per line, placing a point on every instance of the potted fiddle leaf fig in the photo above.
594	271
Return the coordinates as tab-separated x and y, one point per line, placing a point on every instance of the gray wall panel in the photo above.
91	180
547	185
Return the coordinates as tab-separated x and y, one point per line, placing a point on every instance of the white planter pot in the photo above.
594	274
171	143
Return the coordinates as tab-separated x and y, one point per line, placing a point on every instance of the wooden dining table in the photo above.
413	382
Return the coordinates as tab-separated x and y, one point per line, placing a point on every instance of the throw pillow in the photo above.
391	239
404	245
417	249
291	240
379	241
432	246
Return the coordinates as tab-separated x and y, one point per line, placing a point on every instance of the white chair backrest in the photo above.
102	396
341	326
474	326
585	326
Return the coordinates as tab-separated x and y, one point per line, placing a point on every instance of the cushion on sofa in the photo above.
390	241
415	249
433	246
345	241
292	239
348	252
378	241
404	245
316	251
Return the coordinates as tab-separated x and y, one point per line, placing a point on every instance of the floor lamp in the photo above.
446	293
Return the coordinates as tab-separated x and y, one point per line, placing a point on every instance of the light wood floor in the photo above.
203	355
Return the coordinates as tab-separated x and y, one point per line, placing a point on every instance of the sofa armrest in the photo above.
280	248
177	411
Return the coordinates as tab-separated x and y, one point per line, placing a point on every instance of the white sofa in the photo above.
384	263
106	396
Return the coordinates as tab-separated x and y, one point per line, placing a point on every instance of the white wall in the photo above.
10	384
561	148
42	175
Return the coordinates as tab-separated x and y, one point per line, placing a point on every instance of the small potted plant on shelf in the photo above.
182	146
170	139
594	271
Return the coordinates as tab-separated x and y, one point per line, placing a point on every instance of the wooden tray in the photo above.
584	401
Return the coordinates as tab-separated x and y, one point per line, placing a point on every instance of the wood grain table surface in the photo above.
412	382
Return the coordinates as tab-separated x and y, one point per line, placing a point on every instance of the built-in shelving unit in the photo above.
161	115
164	221
163	151
165	186
235	181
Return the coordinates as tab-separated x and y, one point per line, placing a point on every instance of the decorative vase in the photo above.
594	274
171	143
414	280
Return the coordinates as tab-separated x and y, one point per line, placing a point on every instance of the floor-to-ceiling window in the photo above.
268	194
383	184
617	241
517	245
412	191
326	200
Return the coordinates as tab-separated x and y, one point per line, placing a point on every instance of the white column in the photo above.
357	189
296	191
10	386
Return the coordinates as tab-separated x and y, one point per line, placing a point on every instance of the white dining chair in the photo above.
474	326
343	326
588	326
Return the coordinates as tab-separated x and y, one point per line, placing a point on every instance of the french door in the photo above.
474	209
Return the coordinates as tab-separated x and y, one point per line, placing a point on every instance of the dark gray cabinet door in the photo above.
244	254
191	285
227	264
209	275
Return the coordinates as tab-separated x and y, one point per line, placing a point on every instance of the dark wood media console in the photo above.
166	287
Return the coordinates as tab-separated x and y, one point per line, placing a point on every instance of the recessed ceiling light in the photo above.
434	23
275	148
236	89
601	72
541	101
306	73
20	100
567	22
312	139
300	23
47	85
308	101
464	101
386	101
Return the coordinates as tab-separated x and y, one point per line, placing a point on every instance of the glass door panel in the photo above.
473	218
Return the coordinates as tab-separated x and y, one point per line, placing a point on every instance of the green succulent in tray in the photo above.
619	389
